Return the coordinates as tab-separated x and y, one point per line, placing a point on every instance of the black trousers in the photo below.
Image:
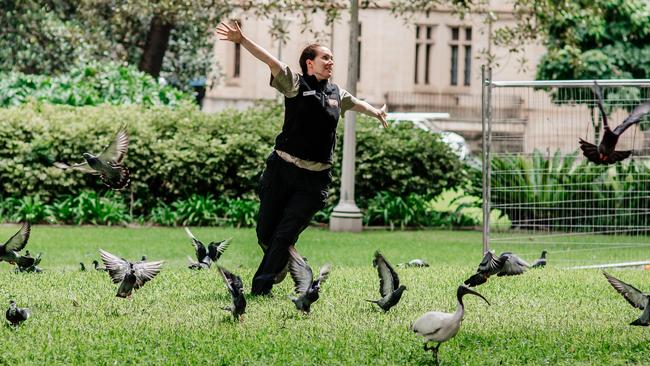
289	198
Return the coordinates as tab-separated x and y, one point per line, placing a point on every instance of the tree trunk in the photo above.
155	47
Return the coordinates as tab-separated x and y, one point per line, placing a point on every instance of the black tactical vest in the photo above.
310	119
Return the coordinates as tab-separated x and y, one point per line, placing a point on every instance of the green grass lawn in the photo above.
550	316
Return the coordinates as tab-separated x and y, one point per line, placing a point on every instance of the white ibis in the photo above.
436	326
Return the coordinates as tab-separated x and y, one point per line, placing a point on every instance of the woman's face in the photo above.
322	65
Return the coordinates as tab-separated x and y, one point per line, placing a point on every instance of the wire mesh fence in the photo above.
537	176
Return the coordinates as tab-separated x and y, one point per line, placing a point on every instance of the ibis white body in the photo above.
437	326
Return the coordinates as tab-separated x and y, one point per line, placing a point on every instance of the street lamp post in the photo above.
346	216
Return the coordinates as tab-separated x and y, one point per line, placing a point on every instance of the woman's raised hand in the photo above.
229	32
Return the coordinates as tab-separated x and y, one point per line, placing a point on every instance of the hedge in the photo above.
176	153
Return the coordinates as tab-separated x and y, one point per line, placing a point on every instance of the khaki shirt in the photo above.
286	82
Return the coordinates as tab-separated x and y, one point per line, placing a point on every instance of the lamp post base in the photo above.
346	217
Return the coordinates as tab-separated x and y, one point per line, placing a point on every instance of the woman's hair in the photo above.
309	53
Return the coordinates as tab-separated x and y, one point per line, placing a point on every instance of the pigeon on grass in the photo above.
507	264
16	315
131	276
27	263
236	288
389	287
305	286
205	257
98	267
541	262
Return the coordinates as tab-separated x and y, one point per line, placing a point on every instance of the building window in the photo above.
461	51
423	48
359	54
236	65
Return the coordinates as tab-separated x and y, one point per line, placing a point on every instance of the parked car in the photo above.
427	122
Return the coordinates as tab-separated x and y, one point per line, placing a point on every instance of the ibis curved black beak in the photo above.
464	290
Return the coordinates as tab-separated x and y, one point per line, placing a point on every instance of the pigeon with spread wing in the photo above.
131	276
389	287
634	296
236	288
605	152
306	287
108	165
9	250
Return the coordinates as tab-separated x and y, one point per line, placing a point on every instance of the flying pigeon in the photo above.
236	288
108	164
489	266
205	257
541	262
512	265
306	287
130	276
604	153
9	250
414	263
27	263
389	287
635	297
16	315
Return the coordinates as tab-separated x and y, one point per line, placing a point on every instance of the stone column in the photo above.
346	215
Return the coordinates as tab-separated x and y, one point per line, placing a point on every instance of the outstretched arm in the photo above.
365	108
234	34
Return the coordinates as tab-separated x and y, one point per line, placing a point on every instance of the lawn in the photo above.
548	316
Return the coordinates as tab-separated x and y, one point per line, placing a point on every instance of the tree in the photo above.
601	39
172	38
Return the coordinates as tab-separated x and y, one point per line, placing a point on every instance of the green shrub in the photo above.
91	208
401	160
177	153
90	85
418	211
28	208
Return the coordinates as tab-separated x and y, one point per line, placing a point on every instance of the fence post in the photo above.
486	129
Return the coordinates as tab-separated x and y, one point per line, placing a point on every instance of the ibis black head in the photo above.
544	253
464	290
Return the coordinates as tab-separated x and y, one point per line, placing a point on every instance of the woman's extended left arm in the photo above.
365	108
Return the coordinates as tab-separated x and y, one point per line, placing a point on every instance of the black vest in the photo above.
310	119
